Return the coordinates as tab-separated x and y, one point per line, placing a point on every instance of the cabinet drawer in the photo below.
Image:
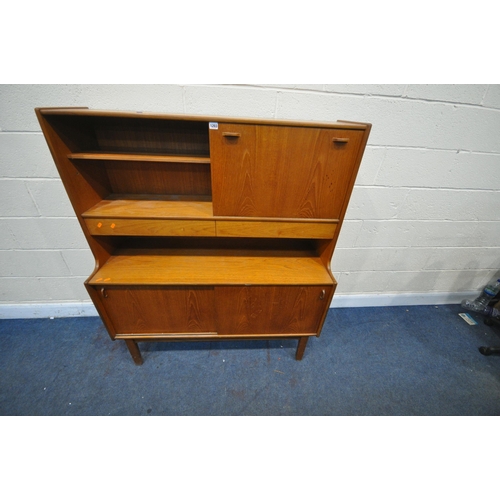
271	309
150	309
149	227
320	230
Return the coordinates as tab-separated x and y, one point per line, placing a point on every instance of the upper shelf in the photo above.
139	157
117	133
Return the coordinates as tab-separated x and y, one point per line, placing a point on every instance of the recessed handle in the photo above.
340	140
104	293
322	295
231	135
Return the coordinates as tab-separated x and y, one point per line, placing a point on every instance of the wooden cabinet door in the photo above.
281	171
156	309
244	310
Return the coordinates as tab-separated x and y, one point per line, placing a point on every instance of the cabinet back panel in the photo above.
127	177
278	246
77	132
152	136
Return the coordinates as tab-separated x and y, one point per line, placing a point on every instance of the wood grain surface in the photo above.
269	309
282	229
160	309
150	227
211	267
151	207
274	171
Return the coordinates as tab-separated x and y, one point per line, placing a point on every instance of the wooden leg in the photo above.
301	348
134	351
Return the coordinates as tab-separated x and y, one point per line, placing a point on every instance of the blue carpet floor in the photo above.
421	360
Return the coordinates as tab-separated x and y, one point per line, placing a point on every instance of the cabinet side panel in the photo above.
152	178
350	182
85	187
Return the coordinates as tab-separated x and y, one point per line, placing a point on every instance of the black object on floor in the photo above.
488	351
420	360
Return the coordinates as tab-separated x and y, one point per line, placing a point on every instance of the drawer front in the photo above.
150	309
281	171
320	230
271	309
150	227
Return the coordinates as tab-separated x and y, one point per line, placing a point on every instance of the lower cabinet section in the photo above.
219	310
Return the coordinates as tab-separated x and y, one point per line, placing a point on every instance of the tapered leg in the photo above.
134	351
301	348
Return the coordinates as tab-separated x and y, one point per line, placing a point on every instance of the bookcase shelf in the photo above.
211	267
206	227
152	207
141	157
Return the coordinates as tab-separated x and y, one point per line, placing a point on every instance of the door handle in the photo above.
104	293
322	295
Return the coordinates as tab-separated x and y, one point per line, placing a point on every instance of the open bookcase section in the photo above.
210	268
149	177
206	228
212	261
112	134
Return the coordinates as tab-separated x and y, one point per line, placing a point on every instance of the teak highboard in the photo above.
206	228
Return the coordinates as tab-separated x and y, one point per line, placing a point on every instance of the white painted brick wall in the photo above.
424	216
461	94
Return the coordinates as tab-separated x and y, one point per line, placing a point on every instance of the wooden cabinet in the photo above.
206	228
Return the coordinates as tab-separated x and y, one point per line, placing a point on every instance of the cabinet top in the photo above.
83	111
